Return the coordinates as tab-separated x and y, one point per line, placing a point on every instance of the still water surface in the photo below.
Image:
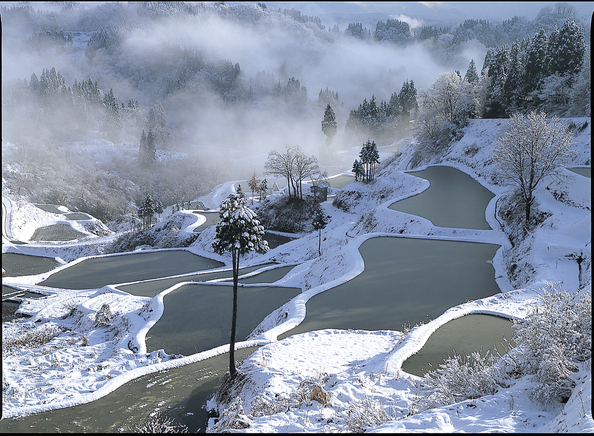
16	264
463	336
405	281
454	199
178	392
198	317
100	271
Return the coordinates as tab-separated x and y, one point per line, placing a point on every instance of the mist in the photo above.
222	75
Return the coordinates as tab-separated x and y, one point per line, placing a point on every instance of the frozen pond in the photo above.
178	392
464	335
100	271
454	199
198	317
405	282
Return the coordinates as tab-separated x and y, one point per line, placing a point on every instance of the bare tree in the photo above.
294	165
305	166
531	148
281	165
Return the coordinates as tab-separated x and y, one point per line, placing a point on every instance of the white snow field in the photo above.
360	370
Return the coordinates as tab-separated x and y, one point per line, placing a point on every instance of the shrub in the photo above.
552	339
364	414
31	339
458	379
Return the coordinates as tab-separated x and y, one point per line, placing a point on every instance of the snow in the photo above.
356	368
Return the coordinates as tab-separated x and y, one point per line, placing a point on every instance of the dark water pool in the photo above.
454	199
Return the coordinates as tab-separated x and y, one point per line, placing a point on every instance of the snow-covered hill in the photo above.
360	372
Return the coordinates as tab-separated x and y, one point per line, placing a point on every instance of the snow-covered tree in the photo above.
263	189
237	232
146	211
445	107
566	50
253	184
369	158
329	124
529	149
580	97
319	223
358	170
294	165
471	75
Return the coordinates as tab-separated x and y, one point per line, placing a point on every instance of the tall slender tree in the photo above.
237	232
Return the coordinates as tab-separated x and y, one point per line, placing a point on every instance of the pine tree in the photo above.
253	184
358	169
329	124
319	223
146	211
471	75
566	50
537	64
237	232
369	158
263	189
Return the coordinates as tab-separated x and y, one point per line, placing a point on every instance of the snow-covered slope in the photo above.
360	371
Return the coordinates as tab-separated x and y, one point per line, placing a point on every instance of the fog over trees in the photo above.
104	103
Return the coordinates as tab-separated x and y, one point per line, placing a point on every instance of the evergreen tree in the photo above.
253	184
471	75
566	50
329	124
369	158
263	189
319	223
408	100
237	232
358	169
146	211
537	64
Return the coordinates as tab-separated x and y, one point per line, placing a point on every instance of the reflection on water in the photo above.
179	392
101	271
463	336
454	199
405	281
198	317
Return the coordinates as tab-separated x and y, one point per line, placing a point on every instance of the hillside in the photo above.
359	371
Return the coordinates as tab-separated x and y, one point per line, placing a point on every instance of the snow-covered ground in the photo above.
359	370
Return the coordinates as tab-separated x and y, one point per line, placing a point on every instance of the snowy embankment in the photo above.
358	368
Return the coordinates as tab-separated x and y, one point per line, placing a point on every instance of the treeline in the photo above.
384	119
486	32
538	72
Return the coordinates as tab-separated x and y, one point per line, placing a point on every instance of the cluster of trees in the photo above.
545	73
538	72
147	210
377	120
364	169
486	32
63	109
294	165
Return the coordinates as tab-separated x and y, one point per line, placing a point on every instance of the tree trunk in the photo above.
320	242
232	369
